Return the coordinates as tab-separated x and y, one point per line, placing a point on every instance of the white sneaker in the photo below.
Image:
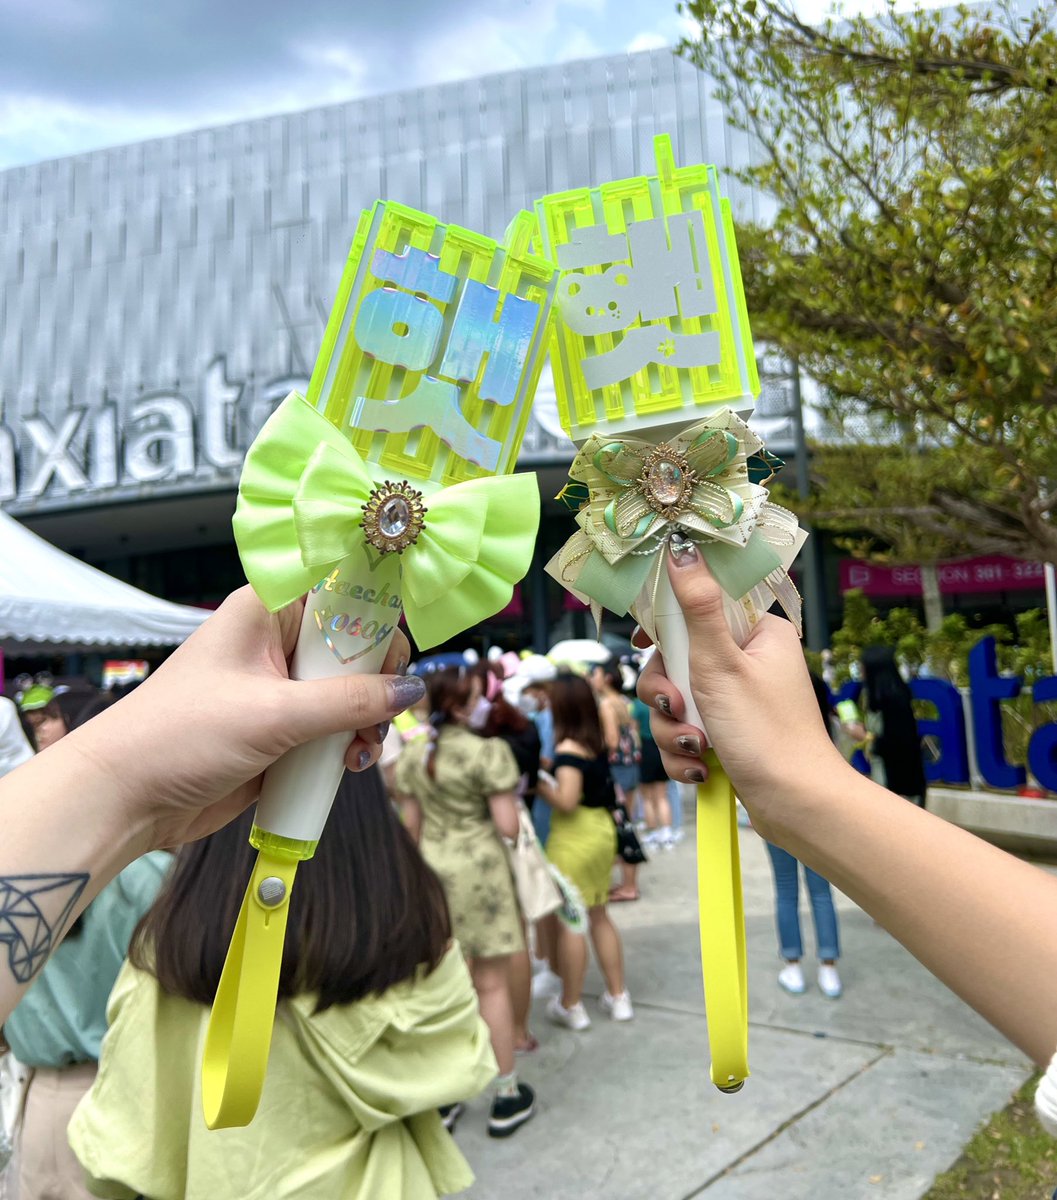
574	1018
829	983
618	1007
791	979
545	983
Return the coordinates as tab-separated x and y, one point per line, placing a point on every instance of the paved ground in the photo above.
868	1096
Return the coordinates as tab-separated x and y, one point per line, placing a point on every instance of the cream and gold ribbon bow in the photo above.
306	501
699	482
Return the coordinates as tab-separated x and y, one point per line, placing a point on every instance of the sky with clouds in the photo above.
77	75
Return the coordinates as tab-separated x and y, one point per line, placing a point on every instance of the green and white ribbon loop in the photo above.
300	515
614	559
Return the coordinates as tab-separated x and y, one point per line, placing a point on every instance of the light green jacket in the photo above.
348	1109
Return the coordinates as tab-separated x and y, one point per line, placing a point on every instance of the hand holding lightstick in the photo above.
387	491
653	365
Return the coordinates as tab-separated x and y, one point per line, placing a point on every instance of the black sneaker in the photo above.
449	1114
508	1112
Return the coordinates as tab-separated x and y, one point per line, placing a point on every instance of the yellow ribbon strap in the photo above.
240	1029
721	920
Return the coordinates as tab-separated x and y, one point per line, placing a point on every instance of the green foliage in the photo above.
1010	1158
945	653
909	261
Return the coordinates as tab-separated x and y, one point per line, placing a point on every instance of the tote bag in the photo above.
537	892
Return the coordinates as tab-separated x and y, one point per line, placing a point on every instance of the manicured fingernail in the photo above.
383	731
694	775
663	703
363	759
682	549
689	744
401	667
404	691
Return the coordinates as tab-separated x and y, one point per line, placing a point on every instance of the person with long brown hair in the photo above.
377	1026
582	843
458	792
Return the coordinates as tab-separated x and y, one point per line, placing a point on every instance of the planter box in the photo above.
1012	822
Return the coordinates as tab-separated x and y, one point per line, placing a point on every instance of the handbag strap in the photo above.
721	920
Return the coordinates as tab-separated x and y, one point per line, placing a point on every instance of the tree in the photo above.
910	262
878	497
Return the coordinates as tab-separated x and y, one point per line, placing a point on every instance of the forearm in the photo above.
982	921
65	835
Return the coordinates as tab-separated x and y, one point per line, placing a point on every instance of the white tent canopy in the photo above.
48	597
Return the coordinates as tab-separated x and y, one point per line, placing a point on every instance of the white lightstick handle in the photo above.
674	643
348	624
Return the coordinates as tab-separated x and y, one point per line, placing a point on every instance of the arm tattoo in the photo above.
29	935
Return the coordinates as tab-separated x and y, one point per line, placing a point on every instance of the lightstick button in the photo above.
271	891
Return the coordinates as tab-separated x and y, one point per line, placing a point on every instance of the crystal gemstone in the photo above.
666	482
394	517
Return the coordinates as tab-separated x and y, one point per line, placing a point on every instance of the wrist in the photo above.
98	775
789	804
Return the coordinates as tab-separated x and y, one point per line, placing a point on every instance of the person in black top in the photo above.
581	845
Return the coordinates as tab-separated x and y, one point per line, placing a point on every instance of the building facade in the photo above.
158	300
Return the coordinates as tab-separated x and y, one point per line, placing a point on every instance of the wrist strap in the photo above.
721	918
239	1036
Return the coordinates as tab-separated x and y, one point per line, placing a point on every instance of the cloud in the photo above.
647	41
79	74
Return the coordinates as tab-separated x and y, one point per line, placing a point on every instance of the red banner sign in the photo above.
995	573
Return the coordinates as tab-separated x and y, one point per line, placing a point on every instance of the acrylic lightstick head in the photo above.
654	329
434	346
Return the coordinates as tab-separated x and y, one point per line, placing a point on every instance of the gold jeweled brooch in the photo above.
667	481
393	517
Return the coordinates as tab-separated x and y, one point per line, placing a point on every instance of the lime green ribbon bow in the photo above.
300	511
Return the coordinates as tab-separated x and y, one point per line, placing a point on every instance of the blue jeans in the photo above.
541	819
675	800
787	893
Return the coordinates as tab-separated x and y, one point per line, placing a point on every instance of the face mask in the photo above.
479	714
529	705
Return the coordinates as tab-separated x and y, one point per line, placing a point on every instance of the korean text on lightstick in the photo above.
654	371
388	490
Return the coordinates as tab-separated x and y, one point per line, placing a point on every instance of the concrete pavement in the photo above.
871	1095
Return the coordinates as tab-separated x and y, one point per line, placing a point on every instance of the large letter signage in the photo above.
988	688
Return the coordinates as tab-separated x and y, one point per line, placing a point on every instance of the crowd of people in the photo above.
408	968
414	870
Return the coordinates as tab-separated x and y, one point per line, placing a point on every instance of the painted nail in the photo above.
689	744
404	691
663	703
383	731
401	667
364	759
682	550
694	775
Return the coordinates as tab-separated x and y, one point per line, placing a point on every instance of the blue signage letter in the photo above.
988	688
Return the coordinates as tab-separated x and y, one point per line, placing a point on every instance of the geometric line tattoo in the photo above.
29	934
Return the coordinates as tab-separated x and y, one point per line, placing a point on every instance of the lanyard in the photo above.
239	1036
721	917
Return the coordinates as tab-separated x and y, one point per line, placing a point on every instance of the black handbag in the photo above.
628	845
